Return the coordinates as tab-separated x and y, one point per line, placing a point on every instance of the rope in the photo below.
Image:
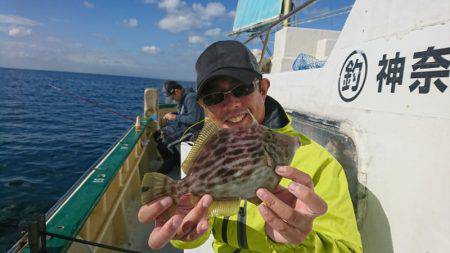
191	126
101	245
278	21
16	226
90	101
320	16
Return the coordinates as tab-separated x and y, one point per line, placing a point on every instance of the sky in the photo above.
145	38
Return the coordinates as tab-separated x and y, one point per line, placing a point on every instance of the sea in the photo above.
53	127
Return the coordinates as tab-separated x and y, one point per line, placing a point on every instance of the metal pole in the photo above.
300	7
36	235
286	9
42	229
33	237
263	52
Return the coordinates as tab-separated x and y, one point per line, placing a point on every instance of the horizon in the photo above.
158	39
100	74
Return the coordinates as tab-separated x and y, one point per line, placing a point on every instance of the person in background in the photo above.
311	209
188	113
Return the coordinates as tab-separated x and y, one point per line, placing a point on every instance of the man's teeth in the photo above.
237	118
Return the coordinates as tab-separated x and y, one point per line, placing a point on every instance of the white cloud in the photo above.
16	20
19	31
171	5
181	17
195	39
213	32
88	4
150	49
209	11
149	1
132	22
232	14
177	23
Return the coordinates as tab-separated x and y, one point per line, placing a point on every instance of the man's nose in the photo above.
231	101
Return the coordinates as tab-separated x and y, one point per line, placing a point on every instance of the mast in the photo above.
287	6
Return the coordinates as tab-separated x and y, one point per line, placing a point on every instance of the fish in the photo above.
230	164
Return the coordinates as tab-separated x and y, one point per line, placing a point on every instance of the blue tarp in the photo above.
306	61
252	14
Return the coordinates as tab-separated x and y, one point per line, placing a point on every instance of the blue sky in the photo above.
147	38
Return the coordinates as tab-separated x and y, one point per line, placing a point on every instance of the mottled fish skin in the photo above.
237	162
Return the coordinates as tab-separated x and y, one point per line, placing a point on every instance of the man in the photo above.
311	209
188	114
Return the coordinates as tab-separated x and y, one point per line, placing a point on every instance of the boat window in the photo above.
327	134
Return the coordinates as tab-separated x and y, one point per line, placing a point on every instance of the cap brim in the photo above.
243	75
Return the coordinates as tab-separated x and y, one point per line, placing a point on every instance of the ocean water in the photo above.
48	138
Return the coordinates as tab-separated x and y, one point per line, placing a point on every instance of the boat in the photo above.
380	105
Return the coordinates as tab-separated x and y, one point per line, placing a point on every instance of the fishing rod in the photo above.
90	101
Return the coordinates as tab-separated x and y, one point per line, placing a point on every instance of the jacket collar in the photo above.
275	117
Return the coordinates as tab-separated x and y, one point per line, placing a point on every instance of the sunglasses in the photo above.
218	97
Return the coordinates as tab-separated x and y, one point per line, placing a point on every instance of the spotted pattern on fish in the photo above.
234	164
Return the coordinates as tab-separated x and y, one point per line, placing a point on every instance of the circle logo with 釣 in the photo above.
352	76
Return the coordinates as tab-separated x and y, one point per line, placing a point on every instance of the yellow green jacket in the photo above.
335	231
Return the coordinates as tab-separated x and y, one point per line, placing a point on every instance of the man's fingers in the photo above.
291	234
284	211
202	227
149	212
192	219
161	235
295	175
314	204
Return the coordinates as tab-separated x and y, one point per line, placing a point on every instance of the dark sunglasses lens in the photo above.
213	99
243	90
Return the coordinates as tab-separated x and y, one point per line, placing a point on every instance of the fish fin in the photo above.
255	200
209	130
155	185
269	159
224	207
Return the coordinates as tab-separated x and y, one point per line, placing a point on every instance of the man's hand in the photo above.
170	116
187	224
289	213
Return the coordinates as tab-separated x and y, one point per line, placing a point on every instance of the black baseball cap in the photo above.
170	86
228	58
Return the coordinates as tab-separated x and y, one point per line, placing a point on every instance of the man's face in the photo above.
233	111
177	95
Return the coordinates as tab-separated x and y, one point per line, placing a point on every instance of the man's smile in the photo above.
237	118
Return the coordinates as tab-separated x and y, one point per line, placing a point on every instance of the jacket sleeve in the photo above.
336	230
193	113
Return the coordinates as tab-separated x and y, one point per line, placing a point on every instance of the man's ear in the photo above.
264	86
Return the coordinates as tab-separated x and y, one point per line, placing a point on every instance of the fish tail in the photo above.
156	185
